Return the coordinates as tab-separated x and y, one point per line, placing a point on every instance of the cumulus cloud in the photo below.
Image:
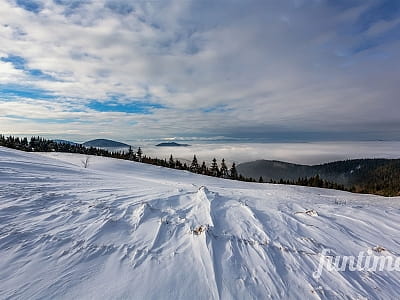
318	69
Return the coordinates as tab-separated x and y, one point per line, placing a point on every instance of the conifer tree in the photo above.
233	172
214	168
194	167
178	165
224	169
131	155
203	168
171	162
139	154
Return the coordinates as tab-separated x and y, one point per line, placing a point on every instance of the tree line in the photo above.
39	144
378	182
313	181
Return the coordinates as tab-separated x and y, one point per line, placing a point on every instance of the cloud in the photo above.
287	69
301	153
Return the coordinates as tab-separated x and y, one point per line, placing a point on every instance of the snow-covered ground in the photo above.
124	230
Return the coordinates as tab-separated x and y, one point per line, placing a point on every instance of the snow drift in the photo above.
120	230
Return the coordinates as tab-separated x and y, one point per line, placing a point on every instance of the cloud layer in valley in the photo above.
301	153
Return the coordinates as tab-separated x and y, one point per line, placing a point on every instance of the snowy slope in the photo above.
124	230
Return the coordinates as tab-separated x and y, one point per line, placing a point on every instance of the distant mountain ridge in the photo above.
104	143
172	144
275	170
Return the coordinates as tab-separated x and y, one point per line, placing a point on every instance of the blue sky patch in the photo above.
386	10
120	7
216	108
38	74
30	5
133	107
14	91
20	63
381	39
17	61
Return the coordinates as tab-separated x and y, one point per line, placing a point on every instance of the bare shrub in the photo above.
85	162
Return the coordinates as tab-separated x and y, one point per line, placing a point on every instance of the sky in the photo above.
288	70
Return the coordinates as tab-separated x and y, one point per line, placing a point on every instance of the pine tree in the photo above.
203	168
214	168
233	172
260	180
171	162
224	169
131	155
139	154
178	165
194	167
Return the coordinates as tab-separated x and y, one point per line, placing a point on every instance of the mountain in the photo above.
380	176
104	143
172	144
275	170
121	230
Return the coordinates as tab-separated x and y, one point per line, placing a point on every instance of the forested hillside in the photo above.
377	176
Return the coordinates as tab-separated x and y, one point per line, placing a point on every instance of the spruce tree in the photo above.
139	154
233	172
203	168
214	168
194	167
131	155
224	169
171	162
178	165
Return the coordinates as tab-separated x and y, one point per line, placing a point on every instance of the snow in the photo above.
122	230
